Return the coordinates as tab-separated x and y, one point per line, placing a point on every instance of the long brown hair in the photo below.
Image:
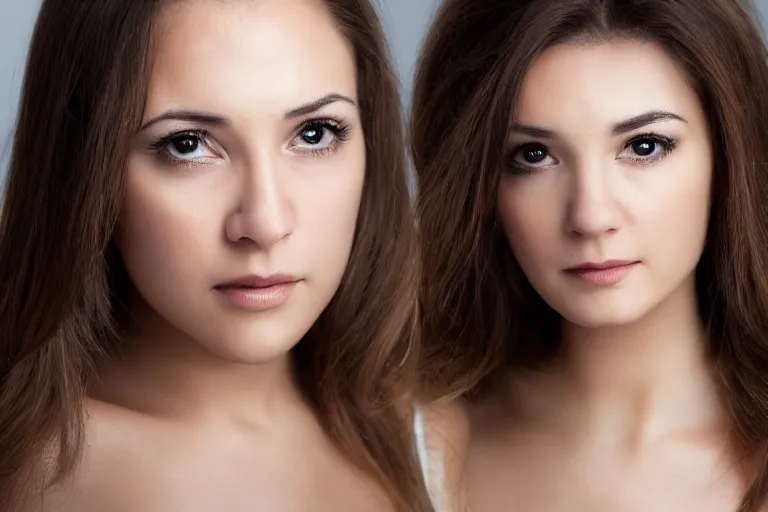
480	316
82	100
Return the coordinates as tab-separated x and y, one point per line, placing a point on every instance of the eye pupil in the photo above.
312	134
534	154
185	144
643	147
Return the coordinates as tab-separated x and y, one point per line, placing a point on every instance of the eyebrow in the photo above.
633	123
654	116
314	106
185	115
213	119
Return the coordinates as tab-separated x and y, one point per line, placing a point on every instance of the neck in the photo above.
632	384
163	372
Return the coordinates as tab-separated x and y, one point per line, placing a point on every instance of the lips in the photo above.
257	293
605	273
256	281
604	265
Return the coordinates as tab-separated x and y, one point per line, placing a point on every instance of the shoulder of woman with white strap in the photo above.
441	431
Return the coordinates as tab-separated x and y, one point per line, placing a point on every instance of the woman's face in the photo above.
605	195
244	184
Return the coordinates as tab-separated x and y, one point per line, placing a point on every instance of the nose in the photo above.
265	213
592	209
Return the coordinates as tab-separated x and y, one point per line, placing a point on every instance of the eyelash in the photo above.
667	146
338	129
160	145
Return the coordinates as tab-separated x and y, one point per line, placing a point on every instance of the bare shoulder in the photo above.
447	431
84	489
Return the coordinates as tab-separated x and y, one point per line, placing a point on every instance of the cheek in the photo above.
676	216
326	202
529	219
163	230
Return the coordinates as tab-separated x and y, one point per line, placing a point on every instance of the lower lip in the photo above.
603	277
259	299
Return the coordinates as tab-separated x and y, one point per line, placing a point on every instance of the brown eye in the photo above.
184	144
533	153
313	134
529	157
643	147
647	148
192	146
319	137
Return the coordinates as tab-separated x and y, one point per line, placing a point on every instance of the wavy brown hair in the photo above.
480	315
83	96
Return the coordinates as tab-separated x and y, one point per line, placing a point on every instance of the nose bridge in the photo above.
592	209
261	190
264	213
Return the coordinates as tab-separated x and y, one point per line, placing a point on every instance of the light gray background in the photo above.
405	22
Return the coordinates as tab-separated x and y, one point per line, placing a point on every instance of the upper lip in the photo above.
257	281
591	265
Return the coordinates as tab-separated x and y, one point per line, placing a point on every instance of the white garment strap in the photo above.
421	442
434	476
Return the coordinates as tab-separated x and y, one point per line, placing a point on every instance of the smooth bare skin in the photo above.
628	417
203	413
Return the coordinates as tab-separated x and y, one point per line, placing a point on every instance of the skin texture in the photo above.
591	199
202	412
627	417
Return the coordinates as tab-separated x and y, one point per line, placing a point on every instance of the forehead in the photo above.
607	82
239	54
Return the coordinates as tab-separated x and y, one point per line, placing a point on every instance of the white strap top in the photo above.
431	464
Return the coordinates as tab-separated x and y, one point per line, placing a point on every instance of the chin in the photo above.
251	340
606	312
250	348
598	320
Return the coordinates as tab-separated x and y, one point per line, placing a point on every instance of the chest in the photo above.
540	478
213	496
224	476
